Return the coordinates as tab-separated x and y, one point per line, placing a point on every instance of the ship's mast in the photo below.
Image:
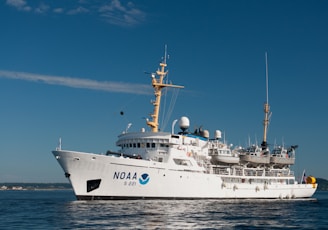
158	85
266	106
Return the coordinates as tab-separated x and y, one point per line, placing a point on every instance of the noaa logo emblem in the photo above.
144	179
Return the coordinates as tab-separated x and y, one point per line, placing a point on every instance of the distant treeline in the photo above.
34	186
322	184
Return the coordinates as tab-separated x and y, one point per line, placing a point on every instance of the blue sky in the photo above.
68	68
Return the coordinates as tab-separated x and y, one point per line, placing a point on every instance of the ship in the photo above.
156	164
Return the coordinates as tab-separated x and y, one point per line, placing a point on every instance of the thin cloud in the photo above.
115	87
115	12
19	5
78	10
58	10
118	14
42	8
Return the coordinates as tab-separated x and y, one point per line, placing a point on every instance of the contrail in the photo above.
116	87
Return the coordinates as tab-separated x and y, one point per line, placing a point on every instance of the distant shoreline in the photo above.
34	186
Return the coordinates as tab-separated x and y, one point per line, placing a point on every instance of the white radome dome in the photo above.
184	123
206	134
217	134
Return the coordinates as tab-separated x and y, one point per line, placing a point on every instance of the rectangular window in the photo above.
182	162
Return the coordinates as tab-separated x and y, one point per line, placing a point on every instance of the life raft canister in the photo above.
310	180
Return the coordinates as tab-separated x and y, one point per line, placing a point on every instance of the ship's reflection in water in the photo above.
189	214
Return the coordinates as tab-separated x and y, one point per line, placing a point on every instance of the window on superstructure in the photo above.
148	145
138	145
182	162
153	145
130	145
134	145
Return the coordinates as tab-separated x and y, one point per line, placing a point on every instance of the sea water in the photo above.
59	209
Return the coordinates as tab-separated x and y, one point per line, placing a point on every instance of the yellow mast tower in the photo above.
158	85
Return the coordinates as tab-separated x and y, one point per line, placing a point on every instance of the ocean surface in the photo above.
58	209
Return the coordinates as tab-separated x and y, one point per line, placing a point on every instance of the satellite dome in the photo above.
206	134
184	123
217	134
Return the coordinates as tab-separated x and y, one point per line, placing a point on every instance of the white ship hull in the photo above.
282	160
255	159
225	159
120	178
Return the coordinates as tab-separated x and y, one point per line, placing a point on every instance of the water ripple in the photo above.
59	210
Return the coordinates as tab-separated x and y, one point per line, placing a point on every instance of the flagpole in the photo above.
303	174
